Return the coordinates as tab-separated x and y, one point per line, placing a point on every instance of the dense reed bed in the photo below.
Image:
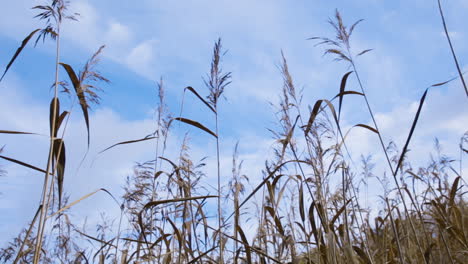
307	204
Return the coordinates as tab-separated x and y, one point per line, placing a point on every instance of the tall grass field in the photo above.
312	201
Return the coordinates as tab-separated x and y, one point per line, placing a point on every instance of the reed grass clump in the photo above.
305	206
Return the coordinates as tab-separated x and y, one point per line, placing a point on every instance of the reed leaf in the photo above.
413	127
18	51
368	128
81	199
342	89
246	244
23	164
79	93
127	142
195	124
191	89
60	160
17	132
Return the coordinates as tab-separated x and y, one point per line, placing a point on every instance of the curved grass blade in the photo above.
246	244
413	126
313	115
170	162
342	89
156	203
18	51
16	132
79	93
345	93
315	112
127	142
60	159
60	120
313	225
190	88
97	239
338	213
364	52
368	127
23	164
451	48
81	199
442	83
278	224
196	124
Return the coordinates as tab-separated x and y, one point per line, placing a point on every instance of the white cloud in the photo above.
141	58
118	33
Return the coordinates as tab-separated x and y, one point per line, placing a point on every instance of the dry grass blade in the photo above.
60	121
453	192
127	142
54	110
81	199
265	180
177	233
202	255
451	48
313	115
345	93
79	93
313	224
316	110
363	52
338	213
301	203
191	89
395	232
246	244
195	124
18	51
16	132
60	160
31	225
413	126
156	203
443	83
105	243
170	162
368	127
278	224
23	164
342	89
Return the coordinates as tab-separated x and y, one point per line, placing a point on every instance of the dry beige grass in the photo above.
301	217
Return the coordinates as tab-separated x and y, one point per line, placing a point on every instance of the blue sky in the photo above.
174	40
